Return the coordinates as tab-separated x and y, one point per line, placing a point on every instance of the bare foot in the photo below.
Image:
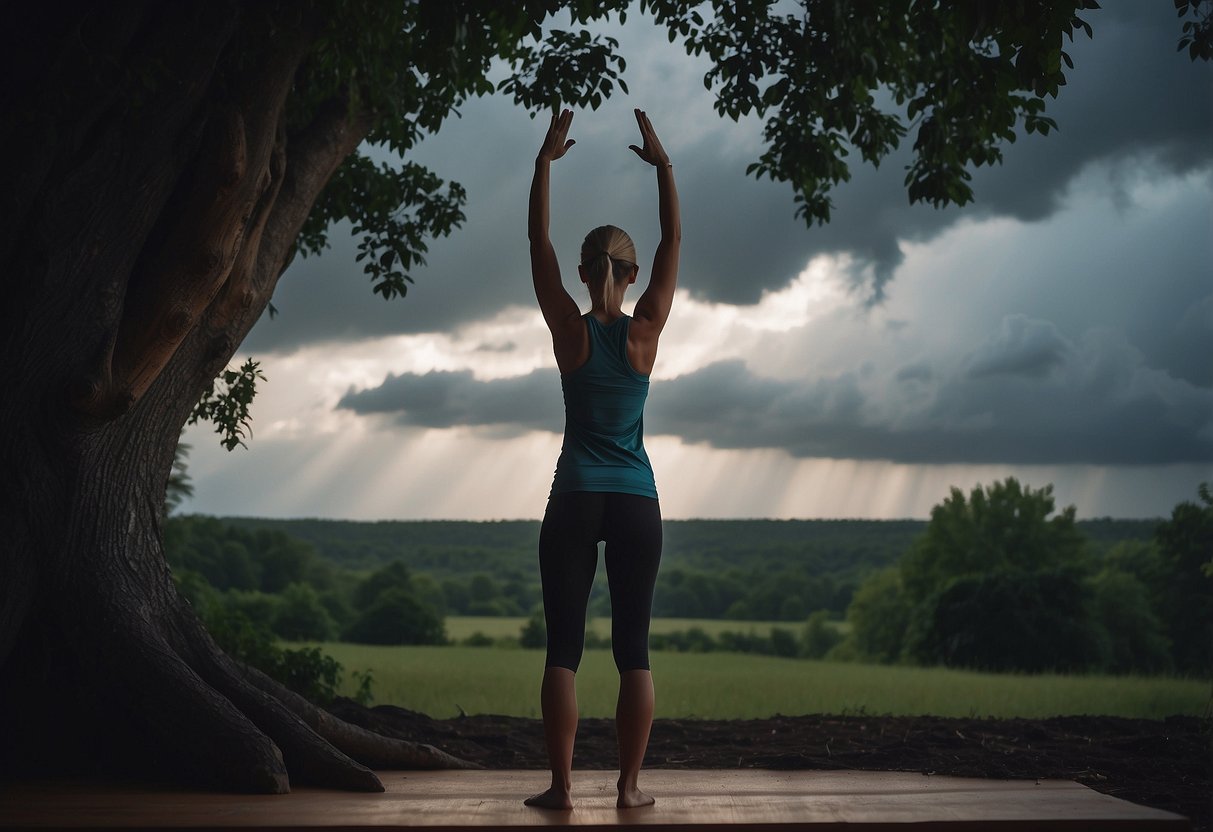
633	798
553	798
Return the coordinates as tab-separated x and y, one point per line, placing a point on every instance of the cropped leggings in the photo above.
630	526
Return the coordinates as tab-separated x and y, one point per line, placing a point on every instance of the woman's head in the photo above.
608	251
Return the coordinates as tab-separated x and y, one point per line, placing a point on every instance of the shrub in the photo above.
478	639
397	617
1133	635
783	642
879	614
819	636
302	617
534	635
1031	621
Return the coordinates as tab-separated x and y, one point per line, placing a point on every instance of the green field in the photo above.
442	680
459	627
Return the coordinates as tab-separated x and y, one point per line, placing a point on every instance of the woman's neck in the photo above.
605	314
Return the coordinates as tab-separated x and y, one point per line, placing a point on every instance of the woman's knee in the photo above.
564	652
632	655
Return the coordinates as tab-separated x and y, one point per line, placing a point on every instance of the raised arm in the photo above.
653	308
559	309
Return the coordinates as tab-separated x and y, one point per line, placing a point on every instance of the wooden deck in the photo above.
740	799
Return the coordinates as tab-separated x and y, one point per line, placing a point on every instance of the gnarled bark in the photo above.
142	242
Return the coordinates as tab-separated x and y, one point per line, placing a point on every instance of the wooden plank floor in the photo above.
740	799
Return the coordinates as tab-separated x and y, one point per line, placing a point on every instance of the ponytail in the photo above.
608	281
608	255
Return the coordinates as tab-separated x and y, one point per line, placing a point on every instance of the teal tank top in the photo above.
604	399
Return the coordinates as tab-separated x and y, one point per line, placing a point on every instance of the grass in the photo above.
459	627
442	680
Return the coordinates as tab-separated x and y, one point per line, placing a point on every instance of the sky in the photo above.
1059	329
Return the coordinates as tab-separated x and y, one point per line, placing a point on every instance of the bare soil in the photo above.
1160	763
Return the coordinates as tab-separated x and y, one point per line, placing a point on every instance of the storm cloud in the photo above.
444	399
1131	101
1025	395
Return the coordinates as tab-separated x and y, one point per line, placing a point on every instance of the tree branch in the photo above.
313	156
193	253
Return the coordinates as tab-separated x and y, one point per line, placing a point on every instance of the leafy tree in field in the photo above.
456	595
1009	620
879	615
534	634
1002	527
165	163
301	616
1183	587
819	636
283	560
337	607
483	588
397	616
1138	558
426	587
260	608
996	582
393	576
1133	635
783	642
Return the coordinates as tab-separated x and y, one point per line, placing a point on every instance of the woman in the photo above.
603	488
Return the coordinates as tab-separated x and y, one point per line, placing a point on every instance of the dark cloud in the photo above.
1026	395
442	399
1023	346
1131	100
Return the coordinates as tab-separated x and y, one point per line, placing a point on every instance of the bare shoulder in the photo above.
643	334
570	342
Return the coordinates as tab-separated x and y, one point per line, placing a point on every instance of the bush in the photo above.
819	636
782	642
393	576
397	617
879	614
302	617
491	608
260	608
478	639
1006	621
534	635
1133	635
307	671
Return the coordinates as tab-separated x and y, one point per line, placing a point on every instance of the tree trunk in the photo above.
155	196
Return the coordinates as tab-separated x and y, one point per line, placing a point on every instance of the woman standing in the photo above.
603	489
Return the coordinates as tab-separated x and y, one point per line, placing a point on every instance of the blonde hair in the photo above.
608	248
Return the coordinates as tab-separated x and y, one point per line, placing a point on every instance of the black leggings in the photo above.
630	526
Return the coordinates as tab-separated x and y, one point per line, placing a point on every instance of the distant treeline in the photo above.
996	580
774	570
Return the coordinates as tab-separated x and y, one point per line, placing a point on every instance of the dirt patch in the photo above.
1164	764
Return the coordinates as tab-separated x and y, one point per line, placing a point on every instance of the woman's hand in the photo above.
652	152
556	143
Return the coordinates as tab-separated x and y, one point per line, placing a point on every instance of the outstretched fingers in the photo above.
651	152
556	143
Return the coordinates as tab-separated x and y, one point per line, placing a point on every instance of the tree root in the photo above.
369	748
318	747
181	711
